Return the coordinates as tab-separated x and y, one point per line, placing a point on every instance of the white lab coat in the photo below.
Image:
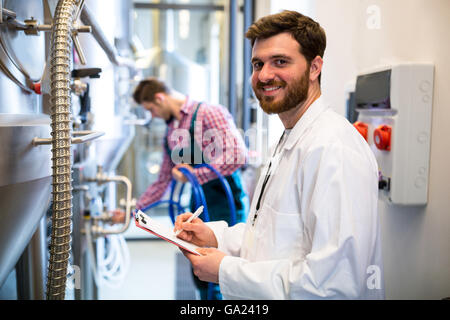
317	232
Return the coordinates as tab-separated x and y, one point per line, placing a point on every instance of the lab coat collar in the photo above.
314	110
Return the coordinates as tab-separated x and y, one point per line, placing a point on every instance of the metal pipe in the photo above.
10	18
60	62
76	44
6	12
18	24
128	185
248	10
176	6
85	136
101	178
232	98
88	19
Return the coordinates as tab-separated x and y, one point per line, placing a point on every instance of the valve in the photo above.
36	87
382	137
362	128
81	89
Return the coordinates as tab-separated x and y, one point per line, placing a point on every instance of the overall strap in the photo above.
194	118
191	132
195	148
166	142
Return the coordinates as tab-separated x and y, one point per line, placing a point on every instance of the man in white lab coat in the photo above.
313	228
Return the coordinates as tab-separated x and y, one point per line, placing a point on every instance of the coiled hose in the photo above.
199	196
199	199
61	44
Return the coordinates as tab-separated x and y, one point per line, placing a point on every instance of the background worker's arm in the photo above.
156	190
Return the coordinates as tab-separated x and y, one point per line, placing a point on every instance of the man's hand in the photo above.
206	267
176	173
196	232
117	216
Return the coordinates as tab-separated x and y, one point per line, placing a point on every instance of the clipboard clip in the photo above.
138	216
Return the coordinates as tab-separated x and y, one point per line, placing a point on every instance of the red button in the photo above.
362	128
37	87
382	137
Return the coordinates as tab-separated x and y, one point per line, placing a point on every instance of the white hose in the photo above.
109	270
100	253
115	273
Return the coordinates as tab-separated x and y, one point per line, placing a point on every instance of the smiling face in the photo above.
280	77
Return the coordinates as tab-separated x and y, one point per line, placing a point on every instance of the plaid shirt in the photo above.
213	121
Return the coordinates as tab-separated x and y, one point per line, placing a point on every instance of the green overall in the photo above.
216	200
215	196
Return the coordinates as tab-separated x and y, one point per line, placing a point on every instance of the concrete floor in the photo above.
151	275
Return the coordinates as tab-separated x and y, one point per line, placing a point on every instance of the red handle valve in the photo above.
362	128
37	87
382	137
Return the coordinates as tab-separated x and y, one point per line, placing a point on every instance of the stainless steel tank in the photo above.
25	178
25	170
19	66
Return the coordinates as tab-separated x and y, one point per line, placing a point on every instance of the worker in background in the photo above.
313	227
197	132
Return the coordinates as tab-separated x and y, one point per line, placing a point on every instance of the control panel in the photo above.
394	106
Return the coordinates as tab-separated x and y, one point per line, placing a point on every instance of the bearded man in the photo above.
313	227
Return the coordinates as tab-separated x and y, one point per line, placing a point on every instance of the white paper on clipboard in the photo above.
148	224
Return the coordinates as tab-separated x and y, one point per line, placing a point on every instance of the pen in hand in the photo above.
195	215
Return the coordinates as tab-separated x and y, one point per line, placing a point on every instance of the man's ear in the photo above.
315	68
160	97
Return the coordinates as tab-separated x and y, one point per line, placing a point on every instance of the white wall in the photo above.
416	241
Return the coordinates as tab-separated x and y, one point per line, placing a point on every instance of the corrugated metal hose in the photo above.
61	47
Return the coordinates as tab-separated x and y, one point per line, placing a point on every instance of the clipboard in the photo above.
150	225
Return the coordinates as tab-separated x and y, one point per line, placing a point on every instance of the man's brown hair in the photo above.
146	90
308	33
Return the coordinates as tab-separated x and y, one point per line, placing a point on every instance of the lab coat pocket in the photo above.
287	233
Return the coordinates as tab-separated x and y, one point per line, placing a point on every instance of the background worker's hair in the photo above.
146	90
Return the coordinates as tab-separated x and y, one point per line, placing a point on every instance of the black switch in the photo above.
87	72
383	184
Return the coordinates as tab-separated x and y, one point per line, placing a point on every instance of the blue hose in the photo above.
177	203
199	199
227	189
199	196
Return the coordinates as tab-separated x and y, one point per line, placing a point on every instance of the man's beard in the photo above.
295	95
